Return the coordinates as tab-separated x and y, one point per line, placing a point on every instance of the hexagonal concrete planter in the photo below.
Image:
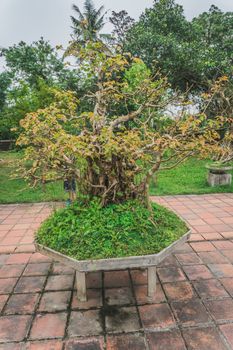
82	267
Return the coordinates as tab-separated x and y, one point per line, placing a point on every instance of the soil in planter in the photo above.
88	231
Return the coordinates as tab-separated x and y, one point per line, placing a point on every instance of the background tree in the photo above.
88	24
213	31
5	82
20	100
122	23
191	54
30	72
30	63
162	39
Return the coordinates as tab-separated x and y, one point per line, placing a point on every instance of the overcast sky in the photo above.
28	20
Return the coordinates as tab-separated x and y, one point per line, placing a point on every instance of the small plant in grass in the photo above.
112	157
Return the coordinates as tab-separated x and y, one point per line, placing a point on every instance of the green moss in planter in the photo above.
87	231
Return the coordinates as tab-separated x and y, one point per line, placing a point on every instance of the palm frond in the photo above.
89	22
76	22
78	11
89	7
100	22
99	11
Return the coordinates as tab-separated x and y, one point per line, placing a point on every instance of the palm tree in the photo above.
87	25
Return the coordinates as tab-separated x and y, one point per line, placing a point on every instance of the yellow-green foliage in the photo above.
113	156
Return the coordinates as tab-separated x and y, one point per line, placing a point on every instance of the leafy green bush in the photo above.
86	230
5	127
22	100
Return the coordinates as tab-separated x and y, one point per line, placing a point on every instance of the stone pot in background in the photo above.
219	175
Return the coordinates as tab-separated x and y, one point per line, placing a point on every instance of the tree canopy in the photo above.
189	53
30	70
31	62
122	23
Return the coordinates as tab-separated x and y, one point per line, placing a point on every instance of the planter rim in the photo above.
218	169
113	263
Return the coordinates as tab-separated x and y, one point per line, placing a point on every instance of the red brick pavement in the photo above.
193	309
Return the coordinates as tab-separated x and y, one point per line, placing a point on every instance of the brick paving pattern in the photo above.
193	308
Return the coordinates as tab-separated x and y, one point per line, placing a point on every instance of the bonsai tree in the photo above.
109	153
113	157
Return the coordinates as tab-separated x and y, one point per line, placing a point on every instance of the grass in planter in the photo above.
87	231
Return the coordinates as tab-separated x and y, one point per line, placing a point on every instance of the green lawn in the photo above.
17	190
189	178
